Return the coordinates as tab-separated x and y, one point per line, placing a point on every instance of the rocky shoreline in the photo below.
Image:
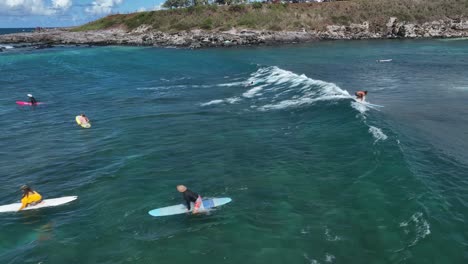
146	36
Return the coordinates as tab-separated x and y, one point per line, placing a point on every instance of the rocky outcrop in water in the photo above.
145	35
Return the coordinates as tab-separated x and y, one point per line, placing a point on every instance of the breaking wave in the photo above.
272	88
377	133
6	46
416	228
283	89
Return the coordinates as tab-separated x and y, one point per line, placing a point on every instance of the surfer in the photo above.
84	119
32	99
361	95
189	197
30	197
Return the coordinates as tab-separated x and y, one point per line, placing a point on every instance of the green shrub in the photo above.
340	20
278	6
213	7
182	26
237	8
248	21
257	5
275	27
207	24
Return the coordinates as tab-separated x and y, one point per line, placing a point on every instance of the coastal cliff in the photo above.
245	25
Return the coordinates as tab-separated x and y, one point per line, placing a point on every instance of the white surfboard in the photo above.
181	208
45	203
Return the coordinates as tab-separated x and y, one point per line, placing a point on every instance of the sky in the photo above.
60	13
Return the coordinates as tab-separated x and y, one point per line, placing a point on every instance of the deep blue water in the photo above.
314	176
14	30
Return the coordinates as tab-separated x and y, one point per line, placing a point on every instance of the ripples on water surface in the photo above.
314	176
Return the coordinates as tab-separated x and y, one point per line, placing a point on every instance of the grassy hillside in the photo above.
287	16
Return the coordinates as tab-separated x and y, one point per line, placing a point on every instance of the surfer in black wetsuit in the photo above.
190	197
32	99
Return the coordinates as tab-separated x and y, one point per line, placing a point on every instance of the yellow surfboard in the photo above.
86	125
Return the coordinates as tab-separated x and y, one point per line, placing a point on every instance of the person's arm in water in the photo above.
24	203
187	203
33	100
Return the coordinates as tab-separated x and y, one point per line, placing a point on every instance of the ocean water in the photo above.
314	176
14	30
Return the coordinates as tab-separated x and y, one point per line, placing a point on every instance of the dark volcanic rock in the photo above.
145	35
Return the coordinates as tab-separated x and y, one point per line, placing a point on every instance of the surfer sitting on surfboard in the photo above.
189	197
30	197
32	99
361	95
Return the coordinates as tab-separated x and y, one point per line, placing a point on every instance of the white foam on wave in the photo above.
7	47
213	102
311	260
230	84
416	226
329	258
254	91
231	100
377	133
330	237
299	102
283	89
281	82
361	108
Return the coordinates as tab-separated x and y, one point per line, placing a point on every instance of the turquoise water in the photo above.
314	176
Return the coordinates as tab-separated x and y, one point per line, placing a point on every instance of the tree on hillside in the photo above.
200	2
230	2
185	3
176	3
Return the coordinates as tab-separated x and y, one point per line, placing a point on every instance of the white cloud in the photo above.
158	7
102	6
141	9
62	4
33	7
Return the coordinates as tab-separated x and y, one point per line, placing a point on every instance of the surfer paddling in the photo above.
361	95
84	119
30	197
32	100
190	197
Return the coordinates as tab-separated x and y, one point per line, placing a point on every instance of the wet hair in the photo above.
26	191
365	92
83	115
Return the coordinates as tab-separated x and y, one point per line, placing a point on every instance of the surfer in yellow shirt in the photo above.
30	197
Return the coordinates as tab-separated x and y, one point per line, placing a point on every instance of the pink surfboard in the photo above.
26	103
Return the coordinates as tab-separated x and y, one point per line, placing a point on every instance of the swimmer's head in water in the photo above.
181	188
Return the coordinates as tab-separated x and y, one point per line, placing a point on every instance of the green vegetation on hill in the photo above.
277	17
